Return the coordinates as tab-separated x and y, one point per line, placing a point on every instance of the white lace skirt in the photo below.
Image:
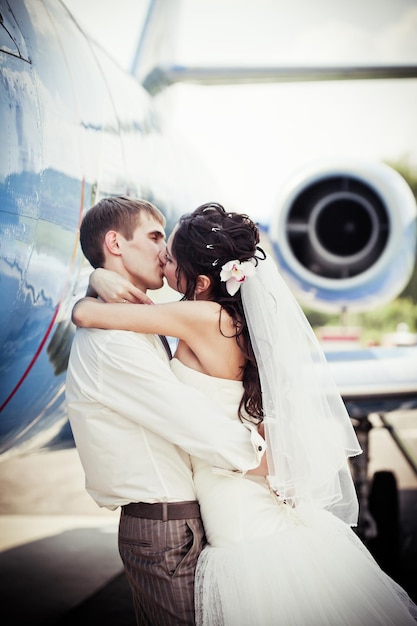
315	573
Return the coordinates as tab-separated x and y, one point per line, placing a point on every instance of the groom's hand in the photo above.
262	469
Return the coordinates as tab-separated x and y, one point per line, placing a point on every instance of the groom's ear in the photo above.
202	284
111	242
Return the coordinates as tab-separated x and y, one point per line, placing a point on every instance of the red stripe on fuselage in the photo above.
37	353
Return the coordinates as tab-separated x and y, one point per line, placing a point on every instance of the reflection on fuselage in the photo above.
74	128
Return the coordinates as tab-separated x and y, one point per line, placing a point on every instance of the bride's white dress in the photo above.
267	564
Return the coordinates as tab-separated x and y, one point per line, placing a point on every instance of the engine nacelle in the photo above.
344	235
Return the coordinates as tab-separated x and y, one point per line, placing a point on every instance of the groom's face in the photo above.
140	254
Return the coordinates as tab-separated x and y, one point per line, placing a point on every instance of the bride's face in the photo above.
170	265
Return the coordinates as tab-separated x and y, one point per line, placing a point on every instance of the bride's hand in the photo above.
113	287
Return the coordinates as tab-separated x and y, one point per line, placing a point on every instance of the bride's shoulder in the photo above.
196	313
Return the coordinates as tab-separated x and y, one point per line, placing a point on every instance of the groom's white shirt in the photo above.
135	424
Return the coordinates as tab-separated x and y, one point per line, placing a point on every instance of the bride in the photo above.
281	549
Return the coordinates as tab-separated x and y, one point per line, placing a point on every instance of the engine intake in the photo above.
345	235
337	227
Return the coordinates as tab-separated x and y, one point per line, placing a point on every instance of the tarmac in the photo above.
59	562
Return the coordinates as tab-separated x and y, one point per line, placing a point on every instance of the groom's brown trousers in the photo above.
159	545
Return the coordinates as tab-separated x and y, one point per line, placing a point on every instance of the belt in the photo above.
163	511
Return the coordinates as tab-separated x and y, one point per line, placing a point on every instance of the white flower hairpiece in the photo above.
233	273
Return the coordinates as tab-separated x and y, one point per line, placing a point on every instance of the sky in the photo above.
255	138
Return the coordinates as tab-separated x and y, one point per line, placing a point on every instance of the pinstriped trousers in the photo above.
159	560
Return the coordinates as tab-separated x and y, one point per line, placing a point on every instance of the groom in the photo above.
135	425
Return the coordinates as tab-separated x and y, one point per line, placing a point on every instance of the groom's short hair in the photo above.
119	213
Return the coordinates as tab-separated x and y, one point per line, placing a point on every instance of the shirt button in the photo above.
260	448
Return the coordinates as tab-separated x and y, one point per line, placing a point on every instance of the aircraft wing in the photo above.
153	67
162	76
376	380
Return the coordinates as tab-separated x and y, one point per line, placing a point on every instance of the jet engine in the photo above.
344	235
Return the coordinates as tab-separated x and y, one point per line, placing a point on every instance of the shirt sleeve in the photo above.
139	384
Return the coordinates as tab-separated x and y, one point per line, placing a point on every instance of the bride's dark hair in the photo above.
204	241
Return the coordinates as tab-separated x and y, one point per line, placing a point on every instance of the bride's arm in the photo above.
113	287
186	320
